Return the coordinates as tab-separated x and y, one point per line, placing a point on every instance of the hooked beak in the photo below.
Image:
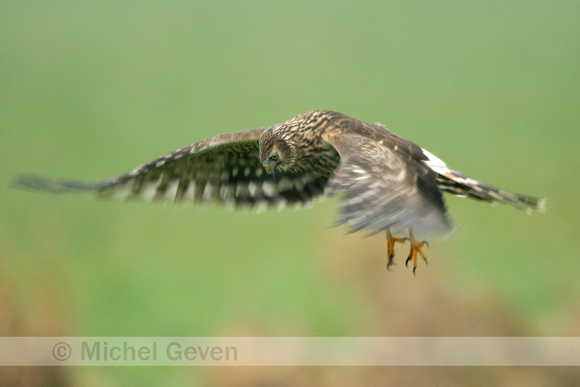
269	172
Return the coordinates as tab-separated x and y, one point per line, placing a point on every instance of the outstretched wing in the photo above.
224	168
385	182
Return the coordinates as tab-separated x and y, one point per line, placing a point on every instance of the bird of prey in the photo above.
388	183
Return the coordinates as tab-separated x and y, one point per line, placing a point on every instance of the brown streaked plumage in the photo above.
388	182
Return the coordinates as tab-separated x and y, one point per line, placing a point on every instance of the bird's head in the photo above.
277	153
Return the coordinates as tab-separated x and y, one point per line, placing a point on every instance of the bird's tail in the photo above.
460	185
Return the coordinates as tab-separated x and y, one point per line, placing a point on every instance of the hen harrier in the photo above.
389	183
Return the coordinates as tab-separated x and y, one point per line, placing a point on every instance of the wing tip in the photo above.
39	183
541	205
34	183
529	204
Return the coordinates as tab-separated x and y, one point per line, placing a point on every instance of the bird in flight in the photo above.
388	183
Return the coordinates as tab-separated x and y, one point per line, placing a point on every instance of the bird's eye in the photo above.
274	157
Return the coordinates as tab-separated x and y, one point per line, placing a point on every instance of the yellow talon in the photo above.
415	248
391	247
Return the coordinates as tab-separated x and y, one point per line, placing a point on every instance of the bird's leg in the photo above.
415	248
391	247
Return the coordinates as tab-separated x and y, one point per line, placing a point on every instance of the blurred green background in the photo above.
93	89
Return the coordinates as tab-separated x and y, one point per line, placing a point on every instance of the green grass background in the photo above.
93	89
